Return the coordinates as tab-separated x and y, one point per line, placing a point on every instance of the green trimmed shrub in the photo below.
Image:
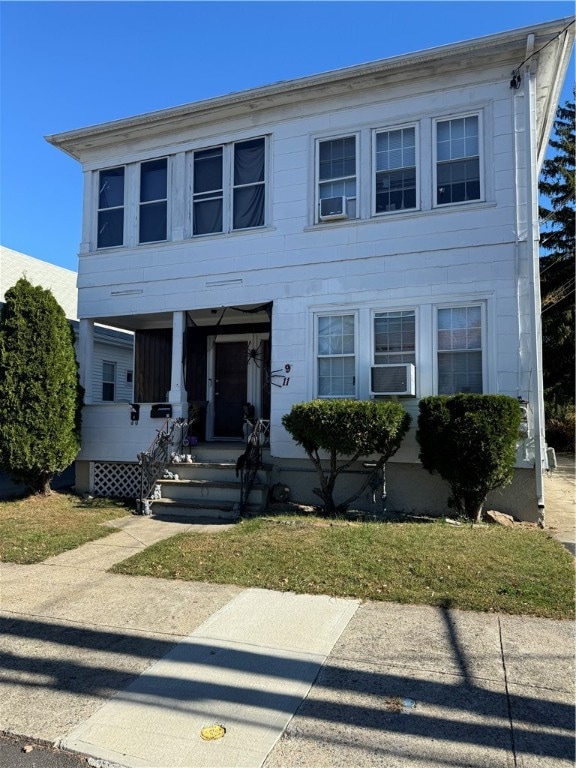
470	441
40	396
345	428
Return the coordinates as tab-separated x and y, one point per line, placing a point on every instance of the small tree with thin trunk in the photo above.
470	441
40	396
345	428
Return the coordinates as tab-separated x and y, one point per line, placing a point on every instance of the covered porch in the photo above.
213	362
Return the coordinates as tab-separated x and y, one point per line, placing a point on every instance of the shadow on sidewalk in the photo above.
508	719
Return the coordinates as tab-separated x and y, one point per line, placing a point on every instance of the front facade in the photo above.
369	232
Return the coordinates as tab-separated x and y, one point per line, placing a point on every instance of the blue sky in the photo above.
67	65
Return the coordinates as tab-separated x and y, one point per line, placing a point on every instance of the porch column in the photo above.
178	396
86	358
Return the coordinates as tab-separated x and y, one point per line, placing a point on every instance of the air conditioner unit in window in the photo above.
333	208
393	379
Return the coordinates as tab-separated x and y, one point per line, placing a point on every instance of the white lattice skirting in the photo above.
116	480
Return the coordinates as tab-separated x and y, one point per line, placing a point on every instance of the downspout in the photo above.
532	248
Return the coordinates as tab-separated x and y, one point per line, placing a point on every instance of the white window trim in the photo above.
108	381
167	199
417	345
481	157
373	171
96	207
358	175
335	312
486	380
228	187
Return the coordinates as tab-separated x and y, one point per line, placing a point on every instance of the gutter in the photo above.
532	247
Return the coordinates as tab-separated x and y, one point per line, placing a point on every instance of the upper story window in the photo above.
460	350
395	170
208	193
248	199
218	206
153	201
336	178
458	160
336	355
110	207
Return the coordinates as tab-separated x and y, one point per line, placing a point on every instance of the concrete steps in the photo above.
205	487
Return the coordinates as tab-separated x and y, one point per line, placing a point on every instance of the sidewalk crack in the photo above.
508	699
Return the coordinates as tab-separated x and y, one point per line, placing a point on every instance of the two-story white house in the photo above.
366	232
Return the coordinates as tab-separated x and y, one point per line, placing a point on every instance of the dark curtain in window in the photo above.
153	365
249	192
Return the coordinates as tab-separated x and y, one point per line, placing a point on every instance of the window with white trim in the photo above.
336	358
110	226
394	337
460	349
153	201
220	206
336	173
208	191
395	170
458	177
108	381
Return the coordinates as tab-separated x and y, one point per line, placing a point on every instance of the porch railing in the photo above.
250	461
153	462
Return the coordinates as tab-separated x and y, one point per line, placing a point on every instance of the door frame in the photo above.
255	374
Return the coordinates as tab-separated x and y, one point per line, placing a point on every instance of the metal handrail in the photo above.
250	461
158	457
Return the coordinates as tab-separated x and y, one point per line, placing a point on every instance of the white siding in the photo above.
123	359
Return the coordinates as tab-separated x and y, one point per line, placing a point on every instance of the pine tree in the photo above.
557	185
40	397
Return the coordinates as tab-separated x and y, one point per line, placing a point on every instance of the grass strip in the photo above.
37	527
485	568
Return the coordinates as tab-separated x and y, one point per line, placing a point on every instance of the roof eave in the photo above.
74	142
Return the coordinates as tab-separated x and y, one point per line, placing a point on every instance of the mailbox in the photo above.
161	411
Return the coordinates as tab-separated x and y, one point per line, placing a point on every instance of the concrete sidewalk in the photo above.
129	670
560	500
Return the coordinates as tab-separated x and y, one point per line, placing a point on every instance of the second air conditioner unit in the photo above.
333	208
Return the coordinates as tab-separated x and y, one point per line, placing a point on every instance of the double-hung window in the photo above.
458	173
248	193
153	201
394	337
208	192
460	350
336	355
229	187
110	208
108	381
395	170
336	173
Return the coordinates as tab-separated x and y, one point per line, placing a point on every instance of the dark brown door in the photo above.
230	387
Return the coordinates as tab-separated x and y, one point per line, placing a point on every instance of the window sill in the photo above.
380	218
167	243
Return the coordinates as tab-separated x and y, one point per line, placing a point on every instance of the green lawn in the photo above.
37	527
486	568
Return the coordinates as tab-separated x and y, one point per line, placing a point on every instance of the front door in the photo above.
230	388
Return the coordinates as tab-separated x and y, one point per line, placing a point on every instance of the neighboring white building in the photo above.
366	232
112	372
